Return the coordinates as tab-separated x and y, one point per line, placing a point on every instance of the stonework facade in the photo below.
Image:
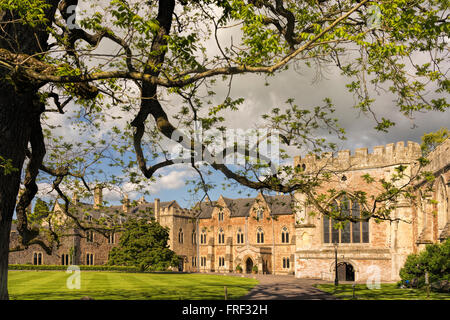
278	234
387	244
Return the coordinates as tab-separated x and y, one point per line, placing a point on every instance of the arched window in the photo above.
203	237
260	235
259	214
221	236
37	258
286	263
353	232
220	215
90	236
89	259
240	236
111	238
284	235
194	237
65	259
180	236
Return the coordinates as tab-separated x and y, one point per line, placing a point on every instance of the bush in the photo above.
435	259
85	268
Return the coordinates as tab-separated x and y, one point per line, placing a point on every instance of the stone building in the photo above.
369	250
91	247
278	234
252	232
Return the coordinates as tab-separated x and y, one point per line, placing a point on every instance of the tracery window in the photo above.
221	236
260	235
240	236
285	235
353	232
203	237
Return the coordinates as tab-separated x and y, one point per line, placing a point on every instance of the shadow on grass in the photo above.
211	292
386	292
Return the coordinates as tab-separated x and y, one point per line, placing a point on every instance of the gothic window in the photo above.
203	261
203	237
352	232
260	235
194	237
286	263
221	261
37	258
111	238
221	236
65	259
194	261
220	215
180	236
89	259
285	235
240	236
259	214
89	236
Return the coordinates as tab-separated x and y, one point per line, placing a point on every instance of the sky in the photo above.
307	91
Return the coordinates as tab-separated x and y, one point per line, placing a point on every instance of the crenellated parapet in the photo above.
439	158
388	155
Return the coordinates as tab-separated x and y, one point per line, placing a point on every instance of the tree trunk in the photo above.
15	112
19	104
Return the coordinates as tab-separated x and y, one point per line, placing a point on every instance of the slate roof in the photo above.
278	205
81	209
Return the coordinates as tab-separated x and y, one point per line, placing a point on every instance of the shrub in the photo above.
59	267
435	259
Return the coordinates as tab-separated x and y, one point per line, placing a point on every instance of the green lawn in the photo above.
51	285
387	291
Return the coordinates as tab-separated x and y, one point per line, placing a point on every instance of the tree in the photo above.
49	64
144	245
40	212
435	260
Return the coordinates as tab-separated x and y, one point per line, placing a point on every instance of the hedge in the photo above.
82	267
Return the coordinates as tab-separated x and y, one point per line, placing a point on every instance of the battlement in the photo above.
390	154
439	157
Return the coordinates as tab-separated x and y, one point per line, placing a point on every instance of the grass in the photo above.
51	285
387	291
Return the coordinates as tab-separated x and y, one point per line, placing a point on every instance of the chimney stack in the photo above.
98	196
125	203
142	200
157	209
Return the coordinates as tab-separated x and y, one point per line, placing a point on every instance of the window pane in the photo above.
334	232
345	234
326	230
356	226
365	231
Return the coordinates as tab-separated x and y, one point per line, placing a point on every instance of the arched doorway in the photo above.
346	272
248	265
